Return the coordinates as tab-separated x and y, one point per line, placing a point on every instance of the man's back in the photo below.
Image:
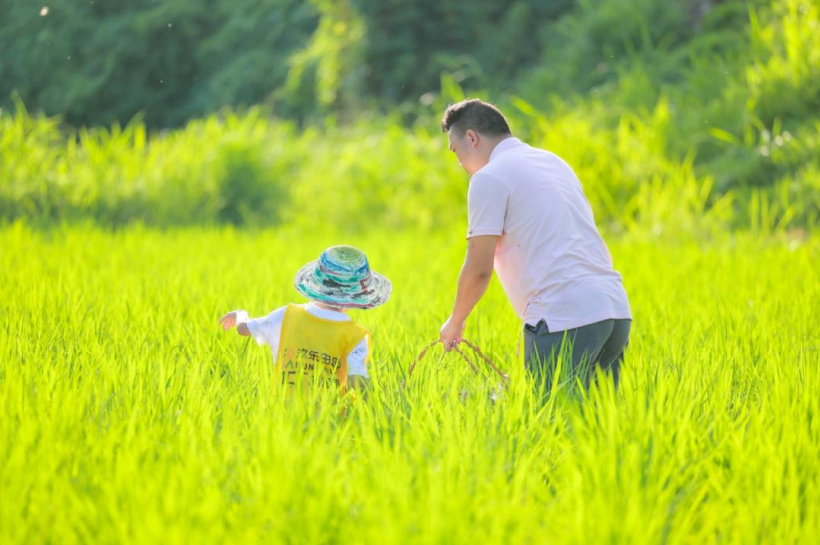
552	261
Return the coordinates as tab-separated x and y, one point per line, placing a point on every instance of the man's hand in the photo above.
451	333
233	318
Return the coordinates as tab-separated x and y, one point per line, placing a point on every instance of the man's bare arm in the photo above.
472	284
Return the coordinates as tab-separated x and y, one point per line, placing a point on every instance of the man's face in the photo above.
467	150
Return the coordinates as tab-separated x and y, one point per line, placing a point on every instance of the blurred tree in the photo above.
481	43
96	62
326	75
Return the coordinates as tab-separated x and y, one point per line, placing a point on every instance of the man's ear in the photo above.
472	137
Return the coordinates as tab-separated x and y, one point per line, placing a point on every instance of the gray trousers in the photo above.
581	351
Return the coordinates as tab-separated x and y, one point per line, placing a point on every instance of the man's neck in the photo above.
489	146
494	143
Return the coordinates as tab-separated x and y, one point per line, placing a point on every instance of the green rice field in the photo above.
128	416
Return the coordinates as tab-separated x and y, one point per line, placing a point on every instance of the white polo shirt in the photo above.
550	258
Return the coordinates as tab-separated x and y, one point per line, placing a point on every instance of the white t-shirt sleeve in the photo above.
357	359
268	329
486	205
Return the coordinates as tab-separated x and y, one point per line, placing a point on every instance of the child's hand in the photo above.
231	319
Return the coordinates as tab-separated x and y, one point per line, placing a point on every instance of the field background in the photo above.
161	164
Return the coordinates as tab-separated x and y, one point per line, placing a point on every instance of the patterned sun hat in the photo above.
342	277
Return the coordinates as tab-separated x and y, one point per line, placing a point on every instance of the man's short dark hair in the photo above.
482	117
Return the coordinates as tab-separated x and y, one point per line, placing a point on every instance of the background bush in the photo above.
697	112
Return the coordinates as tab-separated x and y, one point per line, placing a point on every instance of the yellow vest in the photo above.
314	349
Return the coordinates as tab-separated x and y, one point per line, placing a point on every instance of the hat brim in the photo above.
378	293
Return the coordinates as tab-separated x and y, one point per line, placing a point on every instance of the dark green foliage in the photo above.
718	94
485	42
96	62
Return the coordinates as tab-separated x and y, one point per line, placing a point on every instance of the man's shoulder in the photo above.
515	157
524	161
492	173
486	184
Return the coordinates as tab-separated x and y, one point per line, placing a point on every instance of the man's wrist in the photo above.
456	319
242	317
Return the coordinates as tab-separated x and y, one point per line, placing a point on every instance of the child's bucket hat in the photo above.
342	277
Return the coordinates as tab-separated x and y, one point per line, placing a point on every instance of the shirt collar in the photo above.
504	145
327	314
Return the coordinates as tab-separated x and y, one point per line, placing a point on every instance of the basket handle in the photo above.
476	350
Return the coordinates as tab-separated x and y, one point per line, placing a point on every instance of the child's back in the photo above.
310	343
318	342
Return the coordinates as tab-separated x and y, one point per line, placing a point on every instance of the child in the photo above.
319	340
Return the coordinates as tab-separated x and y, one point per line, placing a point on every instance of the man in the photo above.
530	220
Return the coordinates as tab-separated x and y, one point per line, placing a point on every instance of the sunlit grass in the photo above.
126	415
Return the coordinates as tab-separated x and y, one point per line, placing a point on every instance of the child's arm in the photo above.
357	378
238	318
